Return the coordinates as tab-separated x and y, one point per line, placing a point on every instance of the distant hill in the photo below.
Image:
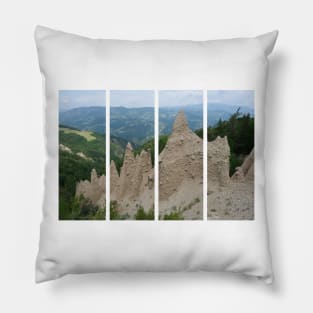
194	115
137	124
84	118
217	111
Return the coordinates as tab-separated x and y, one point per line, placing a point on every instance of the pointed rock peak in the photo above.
129	146
180	124
145	157
143	152
113	169
112	165
129	153
94	175
222	140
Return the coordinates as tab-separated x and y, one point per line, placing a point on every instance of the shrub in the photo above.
141	214
114	214
174	216
100	214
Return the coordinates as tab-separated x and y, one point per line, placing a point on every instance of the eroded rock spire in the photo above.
180	124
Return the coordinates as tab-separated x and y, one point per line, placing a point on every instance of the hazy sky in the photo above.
242	98
69	99
175	98
132	98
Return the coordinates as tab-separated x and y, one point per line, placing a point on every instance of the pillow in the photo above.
155	155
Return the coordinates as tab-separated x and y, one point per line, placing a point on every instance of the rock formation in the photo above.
180	180
134	187
245	172
234	200
181	172
65	148
93	189
114	178
218	164
131	190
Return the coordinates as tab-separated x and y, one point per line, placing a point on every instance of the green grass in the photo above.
88	135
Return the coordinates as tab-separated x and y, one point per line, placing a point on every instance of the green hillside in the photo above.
79	153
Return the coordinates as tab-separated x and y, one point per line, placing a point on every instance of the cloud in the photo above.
179	97
242	98
132	98
69	99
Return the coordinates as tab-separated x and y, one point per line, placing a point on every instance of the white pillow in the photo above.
224	225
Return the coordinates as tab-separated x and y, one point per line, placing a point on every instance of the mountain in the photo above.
84	118
133	124
137	124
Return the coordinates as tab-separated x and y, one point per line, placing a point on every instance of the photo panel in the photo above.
230	167
180	155
82	115
131	155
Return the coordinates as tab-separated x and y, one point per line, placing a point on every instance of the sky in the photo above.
239	98
70	99
132	98
174	98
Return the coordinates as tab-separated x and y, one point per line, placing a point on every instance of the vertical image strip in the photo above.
82	155
230	166
107	156
156	155
205	156
132	149
181	154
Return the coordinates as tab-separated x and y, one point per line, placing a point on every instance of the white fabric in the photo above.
73	62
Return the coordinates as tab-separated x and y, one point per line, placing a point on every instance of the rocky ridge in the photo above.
129	191
180	180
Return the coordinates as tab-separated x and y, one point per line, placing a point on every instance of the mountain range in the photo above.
137	124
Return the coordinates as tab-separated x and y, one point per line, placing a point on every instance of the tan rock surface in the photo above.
235	200
181	180
134	188
181	172
93	189
218	164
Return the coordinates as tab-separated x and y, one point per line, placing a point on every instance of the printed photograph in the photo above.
180	155
82	154
132	155
230	164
